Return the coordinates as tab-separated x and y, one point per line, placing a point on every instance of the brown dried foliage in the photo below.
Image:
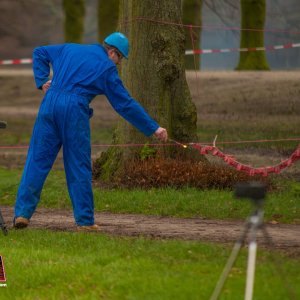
158	173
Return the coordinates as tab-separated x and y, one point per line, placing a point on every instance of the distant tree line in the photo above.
253	15
74	10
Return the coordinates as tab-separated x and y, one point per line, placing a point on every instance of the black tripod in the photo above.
256	192
2	223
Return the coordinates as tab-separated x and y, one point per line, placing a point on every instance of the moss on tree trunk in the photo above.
108	14
253	17
74	20
154	75
192	16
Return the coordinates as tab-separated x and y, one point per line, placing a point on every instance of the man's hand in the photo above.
161	133
46	86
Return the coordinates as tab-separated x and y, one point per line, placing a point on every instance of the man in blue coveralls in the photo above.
80	72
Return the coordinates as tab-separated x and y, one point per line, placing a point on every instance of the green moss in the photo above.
110	161
107	164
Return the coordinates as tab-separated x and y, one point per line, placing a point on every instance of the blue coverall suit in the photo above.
80	72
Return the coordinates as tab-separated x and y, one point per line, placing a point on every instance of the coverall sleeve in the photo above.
126	106
42	58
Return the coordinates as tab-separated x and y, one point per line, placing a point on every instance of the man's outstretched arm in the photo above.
130	109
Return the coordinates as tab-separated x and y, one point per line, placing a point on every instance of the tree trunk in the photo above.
192	16
154	75
108	14
253	17
74	20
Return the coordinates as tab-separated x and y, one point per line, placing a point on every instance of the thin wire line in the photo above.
211	27
172	144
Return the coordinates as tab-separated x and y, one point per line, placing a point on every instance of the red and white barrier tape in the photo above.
21	61
228	50
187	52
230	160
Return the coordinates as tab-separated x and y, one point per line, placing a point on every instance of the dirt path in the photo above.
285	237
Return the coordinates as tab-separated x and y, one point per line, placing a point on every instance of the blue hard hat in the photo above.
119	41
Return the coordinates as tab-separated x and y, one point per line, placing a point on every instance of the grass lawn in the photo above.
40	264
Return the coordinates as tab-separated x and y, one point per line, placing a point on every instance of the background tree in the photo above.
74	20
192	15
253	17
108	13
155	76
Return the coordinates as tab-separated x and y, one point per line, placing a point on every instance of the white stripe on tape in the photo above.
187	52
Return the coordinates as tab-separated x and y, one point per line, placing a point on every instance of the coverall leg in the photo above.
77	159
44	146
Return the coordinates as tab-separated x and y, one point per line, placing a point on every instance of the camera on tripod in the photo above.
255	191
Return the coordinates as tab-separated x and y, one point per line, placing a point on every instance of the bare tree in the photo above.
74	20
108	13
192	15
253	23
251	34
155	76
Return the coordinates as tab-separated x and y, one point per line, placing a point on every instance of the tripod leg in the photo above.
256	222
251	270
232	258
